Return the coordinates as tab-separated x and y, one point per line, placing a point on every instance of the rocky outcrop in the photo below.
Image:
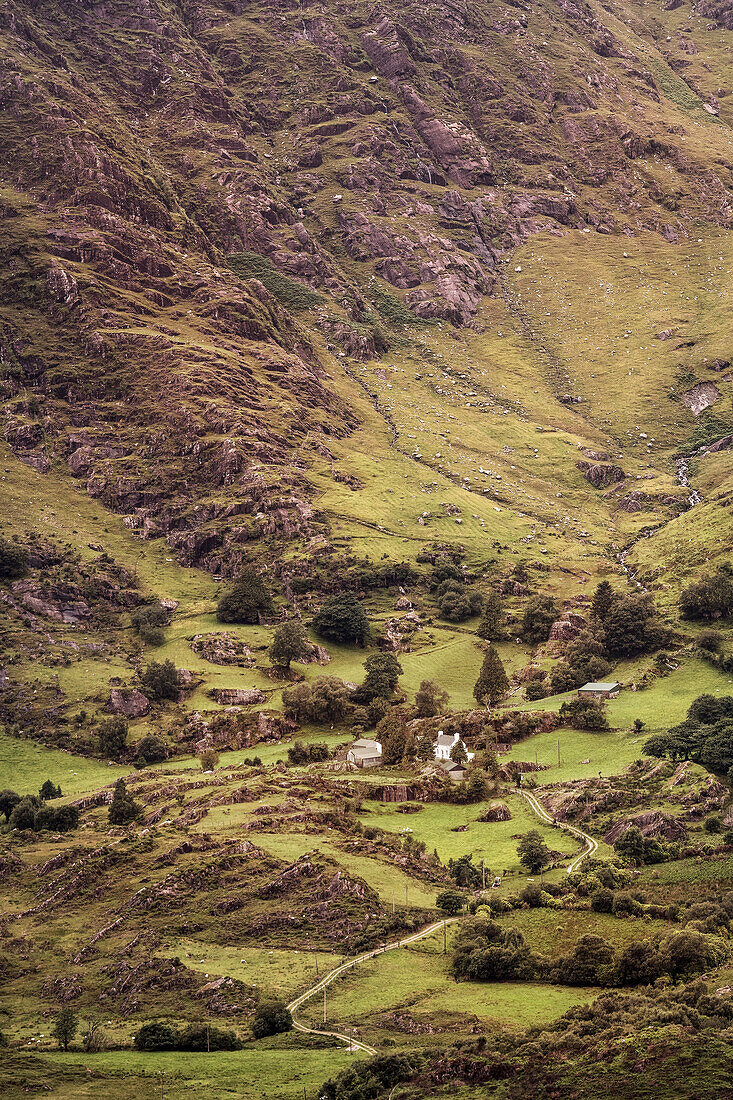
601	474
652	823
237	697
700	397
129	702
397	634
223	648
567	627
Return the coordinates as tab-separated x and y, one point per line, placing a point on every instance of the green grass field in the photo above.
495	842
416	980
24	765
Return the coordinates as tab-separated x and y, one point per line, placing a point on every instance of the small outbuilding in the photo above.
600	690
365	753
456	772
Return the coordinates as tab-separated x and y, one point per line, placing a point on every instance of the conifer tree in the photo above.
492	682
492	617
603	600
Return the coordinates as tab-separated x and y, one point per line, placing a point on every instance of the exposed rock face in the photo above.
651	824
237	697
156	328
601	474
397	633
567	627
223	649
129	701
497	811
701	397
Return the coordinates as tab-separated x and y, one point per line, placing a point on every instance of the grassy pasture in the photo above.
495	842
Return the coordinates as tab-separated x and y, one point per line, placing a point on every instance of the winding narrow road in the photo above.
355	1044
591	844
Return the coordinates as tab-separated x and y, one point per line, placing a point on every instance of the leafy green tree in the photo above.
112	733
123	808
65	1027
342	619
204	1037
492	618
271	1018
152	749
48	791
160	680
533	852
209	760
430	699
392	734
290	643
13	561
382	673
330	700
603	600
492	682
539	615
298	702
450	902
425	750
632	627
156	1036
630	845
247	601
458	753
8	801
23	815
149	621
584	714
709	598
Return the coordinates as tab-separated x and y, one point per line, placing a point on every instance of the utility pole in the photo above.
324	1004
444	948
558	752
405	894
393	901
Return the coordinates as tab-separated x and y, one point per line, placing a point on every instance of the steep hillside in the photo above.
214	215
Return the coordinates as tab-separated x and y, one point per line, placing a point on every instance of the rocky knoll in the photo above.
200	193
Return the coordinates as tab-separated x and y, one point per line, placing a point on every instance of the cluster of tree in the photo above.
485	951
300	754
150	621
323	701
634	847
709	598
328	700
474	788
430	700
13	560
209	760
584	714
466	874
349	573
160	680
705	737
31	811
629	624
158	1035
123	808
342	619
